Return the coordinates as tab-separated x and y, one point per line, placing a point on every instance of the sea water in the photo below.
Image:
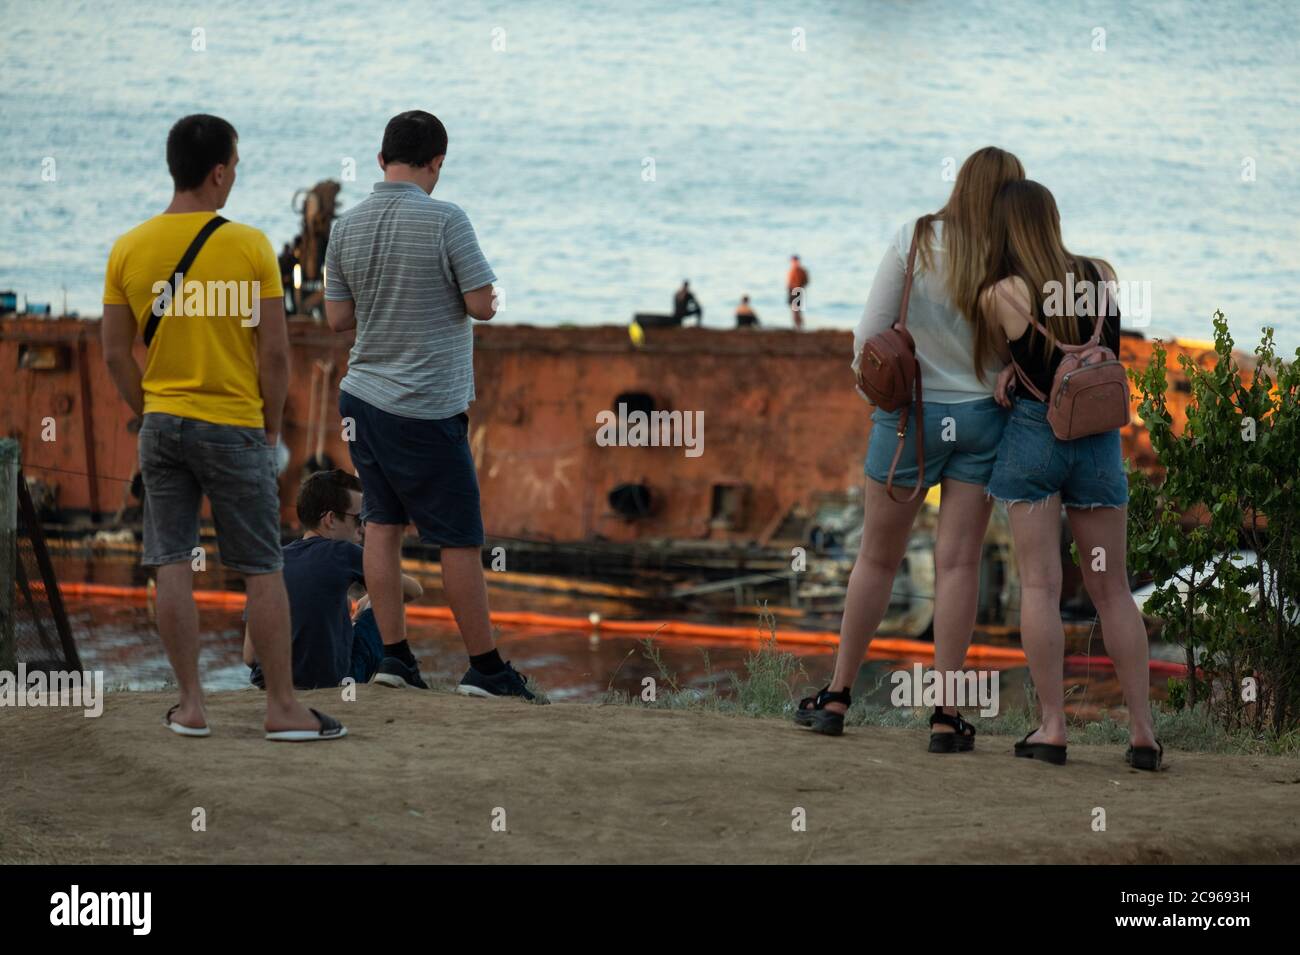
607	149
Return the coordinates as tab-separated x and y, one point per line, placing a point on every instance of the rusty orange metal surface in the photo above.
782	423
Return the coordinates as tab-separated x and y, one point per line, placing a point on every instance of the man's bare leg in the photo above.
178	625
268	628
462	579
382	561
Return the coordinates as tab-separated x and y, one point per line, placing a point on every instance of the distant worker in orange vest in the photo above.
796	284
745	317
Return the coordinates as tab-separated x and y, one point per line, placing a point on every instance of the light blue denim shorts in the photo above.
1033	464
961	442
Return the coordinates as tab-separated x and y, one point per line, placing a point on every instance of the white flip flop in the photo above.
330	728
182	730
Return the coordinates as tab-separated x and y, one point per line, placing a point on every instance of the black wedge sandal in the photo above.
1145	757
813	714
960	740
1047	752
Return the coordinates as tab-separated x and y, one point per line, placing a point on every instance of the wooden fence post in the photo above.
9	455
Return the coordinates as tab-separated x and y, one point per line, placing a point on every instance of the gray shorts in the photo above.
182	459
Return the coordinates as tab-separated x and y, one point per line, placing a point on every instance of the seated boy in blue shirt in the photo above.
319	571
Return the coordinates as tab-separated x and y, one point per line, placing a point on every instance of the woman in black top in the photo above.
1033	274
1037	359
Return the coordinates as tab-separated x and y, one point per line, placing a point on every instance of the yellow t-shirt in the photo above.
203	360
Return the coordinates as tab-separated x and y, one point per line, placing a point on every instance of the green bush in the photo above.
1230	484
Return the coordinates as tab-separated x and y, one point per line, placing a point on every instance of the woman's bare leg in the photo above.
1101	534
959	547
885	529
1036	529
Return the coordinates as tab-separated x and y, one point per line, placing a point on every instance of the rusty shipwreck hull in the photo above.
777	431
782	426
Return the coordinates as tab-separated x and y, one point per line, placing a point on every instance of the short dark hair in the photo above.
414	138
325	492
195	145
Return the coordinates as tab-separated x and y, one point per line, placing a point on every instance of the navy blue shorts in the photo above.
416	470
367	646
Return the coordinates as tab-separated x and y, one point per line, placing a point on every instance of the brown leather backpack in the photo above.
1090	393
888	375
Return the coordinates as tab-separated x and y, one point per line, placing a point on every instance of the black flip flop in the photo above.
1145	757
1047	752
330	728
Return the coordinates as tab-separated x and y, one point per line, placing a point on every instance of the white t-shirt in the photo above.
944	341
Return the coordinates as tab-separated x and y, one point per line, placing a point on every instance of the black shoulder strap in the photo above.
159	304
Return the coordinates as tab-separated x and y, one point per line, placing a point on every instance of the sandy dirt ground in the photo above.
422	777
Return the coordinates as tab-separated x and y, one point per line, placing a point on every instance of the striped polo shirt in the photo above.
405	258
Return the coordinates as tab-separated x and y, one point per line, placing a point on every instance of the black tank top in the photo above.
1027	350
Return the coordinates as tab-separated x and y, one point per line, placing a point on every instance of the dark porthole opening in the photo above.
635	401
631	501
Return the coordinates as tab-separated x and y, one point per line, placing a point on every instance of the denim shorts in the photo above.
182	459
416	470
961	442
1033	464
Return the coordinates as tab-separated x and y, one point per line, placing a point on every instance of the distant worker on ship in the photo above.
745	317
796	284
685	305
287	259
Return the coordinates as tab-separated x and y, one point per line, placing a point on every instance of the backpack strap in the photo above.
157	307
1025	313
1024	379
907	279
1103	312
1103	309
1020	372
920	401
920	445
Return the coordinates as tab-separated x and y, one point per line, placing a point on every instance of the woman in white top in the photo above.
963	425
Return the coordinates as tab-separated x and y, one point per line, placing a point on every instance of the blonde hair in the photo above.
965	219
1026	242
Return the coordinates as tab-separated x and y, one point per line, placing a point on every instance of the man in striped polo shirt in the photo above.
405	270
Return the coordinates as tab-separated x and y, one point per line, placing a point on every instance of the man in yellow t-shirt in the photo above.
211	395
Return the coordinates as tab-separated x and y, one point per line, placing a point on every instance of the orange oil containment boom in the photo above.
1007	656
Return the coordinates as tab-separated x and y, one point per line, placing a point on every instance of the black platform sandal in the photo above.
812	711
1145	757
1047	752
960	740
